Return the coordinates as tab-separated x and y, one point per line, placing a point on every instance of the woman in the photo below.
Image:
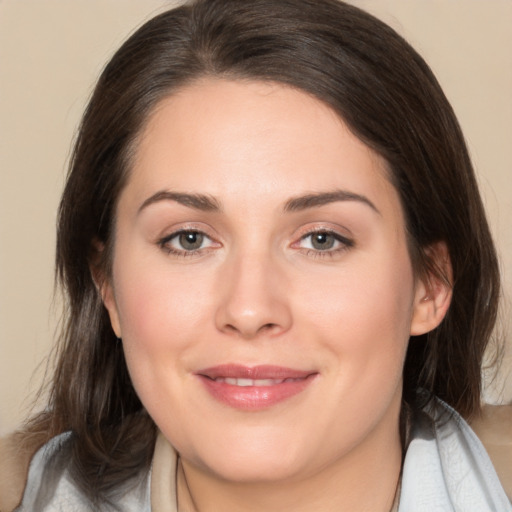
281	280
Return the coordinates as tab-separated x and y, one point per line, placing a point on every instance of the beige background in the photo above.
51	52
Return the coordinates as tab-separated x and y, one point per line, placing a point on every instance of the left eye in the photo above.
190	240
323	241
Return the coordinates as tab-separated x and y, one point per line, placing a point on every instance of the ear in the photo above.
433	292
104	285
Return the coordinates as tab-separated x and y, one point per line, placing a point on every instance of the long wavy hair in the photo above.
385	92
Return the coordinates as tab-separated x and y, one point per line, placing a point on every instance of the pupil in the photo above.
323	241
191	241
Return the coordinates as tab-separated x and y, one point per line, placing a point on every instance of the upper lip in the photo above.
238	371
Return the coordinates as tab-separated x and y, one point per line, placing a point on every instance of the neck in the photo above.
363	480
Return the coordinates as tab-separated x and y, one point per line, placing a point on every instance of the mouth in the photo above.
253	382
254	388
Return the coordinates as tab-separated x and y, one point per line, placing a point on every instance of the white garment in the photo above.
446	469
50	487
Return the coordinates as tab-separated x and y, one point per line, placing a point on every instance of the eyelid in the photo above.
339	232
176	234
340	238
185	227
345	241
164	241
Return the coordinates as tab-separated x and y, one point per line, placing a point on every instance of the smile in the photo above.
253	382
254	388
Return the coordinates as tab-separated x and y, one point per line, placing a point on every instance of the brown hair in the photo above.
390	99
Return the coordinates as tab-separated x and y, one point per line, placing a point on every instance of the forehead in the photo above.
263	140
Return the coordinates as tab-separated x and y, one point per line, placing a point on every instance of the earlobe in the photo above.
433	292
109	301
104	287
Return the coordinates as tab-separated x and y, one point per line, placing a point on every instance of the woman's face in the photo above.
261	283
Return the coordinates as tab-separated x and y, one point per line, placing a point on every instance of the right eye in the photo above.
186	242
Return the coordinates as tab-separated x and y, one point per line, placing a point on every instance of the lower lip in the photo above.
255	398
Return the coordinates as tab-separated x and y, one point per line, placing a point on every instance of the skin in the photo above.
258	291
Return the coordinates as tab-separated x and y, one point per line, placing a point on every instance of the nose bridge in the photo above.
253	298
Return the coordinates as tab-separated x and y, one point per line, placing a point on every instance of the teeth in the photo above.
252	382
244	382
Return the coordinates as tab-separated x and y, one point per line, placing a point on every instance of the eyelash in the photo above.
164	242
345	244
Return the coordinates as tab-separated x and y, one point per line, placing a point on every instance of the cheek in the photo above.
156	303
161	313
363	311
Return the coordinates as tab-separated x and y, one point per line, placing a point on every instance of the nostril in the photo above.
268	327
246	315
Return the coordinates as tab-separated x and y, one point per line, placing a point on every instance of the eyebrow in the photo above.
207	203
197	201
322	198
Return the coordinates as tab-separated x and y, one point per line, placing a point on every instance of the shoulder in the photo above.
446	466
50	486
16	452
38	481
494	429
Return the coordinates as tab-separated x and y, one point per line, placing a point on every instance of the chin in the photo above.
247	459
257	470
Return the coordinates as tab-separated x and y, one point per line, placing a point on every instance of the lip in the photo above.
283	383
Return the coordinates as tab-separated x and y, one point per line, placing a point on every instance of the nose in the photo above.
253	298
